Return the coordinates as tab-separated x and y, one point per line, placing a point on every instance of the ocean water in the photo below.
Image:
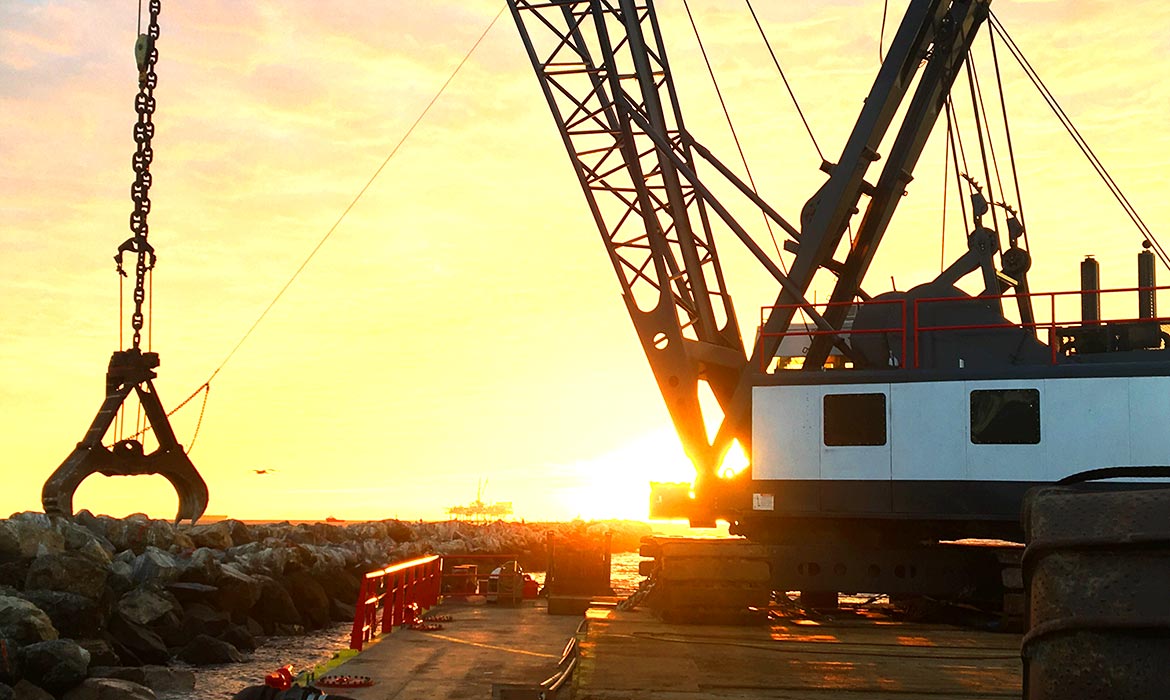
306	651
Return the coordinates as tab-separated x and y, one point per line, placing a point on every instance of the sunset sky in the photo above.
463	322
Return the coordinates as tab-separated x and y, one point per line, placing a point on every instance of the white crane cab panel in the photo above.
1149	413
927	443
962	446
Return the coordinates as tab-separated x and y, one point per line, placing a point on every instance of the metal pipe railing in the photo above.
1051	327
409	585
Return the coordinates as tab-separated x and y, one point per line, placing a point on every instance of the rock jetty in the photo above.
97	607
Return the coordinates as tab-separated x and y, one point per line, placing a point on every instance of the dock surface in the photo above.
482	645
630	654
627	655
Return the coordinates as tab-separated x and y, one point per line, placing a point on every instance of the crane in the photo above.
914	417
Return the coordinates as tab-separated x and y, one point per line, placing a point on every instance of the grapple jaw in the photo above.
130	370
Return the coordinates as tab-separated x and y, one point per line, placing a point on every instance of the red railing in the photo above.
1052	326
810	333
397	590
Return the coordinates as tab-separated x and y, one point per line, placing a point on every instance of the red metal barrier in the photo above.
395	590
912	328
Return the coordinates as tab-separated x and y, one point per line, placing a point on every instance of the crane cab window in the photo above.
855	419
1005	417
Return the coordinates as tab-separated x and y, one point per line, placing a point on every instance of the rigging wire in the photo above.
954	114
956	144
1007	131
206	386
882	35
972	86
784	77
796	103
942	255
357	197
1064	119
982	107
734	135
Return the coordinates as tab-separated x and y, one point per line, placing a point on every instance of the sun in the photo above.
616	484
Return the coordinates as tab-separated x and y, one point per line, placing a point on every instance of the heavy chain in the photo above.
146	55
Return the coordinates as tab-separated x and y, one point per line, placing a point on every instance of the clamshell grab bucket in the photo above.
129	370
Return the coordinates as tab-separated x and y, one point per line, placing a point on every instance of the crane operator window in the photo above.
1005	417
855	419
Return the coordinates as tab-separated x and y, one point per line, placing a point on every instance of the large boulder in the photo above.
398	531
239	637
24	622
74	616
342	585
142	644
13	573
183	544
143	606
109	689
341	611
155	565
241	533
203	619
68	572
204	650
203	566
238	591
160	679
187	593
56	665
27	691
138	533
101	653
170	629
275	605
23	537
327	560
310	598
214	535
120	578
83	541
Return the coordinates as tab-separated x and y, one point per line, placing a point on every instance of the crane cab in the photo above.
955	411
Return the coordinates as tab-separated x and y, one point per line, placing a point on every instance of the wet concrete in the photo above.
484	644
633	655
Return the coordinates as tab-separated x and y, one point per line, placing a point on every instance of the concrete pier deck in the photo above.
630	654
484	644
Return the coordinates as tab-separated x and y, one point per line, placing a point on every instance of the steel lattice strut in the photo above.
604	71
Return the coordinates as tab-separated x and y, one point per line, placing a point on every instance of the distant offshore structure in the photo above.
479	511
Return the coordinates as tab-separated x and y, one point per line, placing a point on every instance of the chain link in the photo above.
146	54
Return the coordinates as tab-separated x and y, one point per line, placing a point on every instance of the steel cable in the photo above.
1065	121
784	77
734	135
206	386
